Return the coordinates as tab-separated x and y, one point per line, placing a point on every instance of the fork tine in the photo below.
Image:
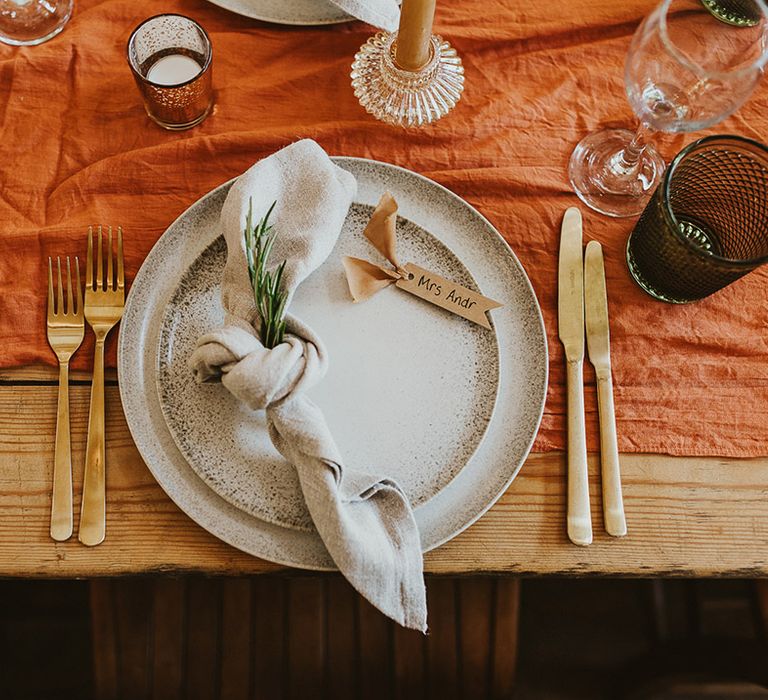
79	296
99	264
70	303
110	282
120	271
89	260
51	310
60	293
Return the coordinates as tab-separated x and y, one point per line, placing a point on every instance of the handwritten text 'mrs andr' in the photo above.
437	289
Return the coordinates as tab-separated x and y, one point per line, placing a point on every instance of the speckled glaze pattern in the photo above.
298	12
409	393
522	378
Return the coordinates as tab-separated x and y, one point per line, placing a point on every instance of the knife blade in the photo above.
571	332
570	304
599	345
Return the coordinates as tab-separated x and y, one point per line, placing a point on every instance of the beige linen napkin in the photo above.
384	14
365	521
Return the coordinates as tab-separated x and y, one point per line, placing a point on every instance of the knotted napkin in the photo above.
365	521
384	14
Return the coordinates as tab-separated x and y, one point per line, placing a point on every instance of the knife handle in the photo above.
579	517
613	503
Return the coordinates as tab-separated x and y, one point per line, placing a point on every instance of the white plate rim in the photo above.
236	523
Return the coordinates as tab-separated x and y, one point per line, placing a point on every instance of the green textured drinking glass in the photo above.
739	13
707	223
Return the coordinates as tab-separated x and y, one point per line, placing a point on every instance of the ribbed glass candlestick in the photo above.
403	97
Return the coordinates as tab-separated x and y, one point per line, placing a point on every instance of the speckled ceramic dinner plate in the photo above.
301	12
409	393
451	236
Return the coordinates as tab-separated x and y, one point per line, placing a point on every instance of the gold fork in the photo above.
66	329
104	301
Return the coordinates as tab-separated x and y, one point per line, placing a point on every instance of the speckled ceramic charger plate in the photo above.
300	12
448	505
409	393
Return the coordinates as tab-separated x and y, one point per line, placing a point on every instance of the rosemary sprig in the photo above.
270	300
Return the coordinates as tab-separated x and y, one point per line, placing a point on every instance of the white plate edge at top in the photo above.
239	7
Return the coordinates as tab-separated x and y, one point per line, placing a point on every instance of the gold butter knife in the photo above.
571	331
599	344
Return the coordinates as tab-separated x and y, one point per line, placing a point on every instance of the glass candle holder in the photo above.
29	22
407	97
171	58
707	223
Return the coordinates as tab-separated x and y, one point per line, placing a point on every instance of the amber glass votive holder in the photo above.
707	223
171	59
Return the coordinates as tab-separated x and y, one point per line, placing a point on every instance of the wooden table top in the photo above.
686	516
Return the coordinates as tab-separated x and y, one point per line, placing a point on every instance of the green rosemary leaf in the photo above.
279	274
270	300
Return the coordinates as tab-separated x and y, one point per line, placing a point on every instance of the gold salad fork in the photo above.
66	329
104	301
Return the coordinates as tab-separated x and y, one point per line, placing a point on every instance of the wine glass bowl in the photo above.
687	68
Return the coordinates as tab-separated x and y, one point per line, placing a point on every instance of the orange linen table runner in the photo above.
77	149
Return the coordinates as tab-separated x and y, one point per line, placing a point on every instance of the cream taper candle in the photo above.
413	36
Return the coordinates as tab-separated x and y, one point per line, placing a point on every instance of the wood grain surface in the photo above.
686	516
220	633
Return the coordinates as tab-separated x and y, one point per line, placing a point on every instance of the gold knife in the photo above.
571	330
599	344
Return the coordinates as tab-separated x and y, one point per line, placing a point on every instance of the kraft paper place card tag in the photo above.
366	278
446	294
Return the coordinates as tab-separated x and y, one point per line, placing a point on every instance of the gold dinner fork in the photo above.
66	329
104	301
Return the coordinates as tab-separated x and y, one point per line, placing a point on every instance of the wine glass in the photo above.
28	22
691	63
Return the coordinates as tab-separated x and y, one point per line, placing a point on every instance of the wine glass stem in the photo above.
631	155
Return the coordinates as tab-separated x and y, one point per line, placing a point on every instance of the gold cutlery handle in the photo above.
61	502
613	503
579	517
93	511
